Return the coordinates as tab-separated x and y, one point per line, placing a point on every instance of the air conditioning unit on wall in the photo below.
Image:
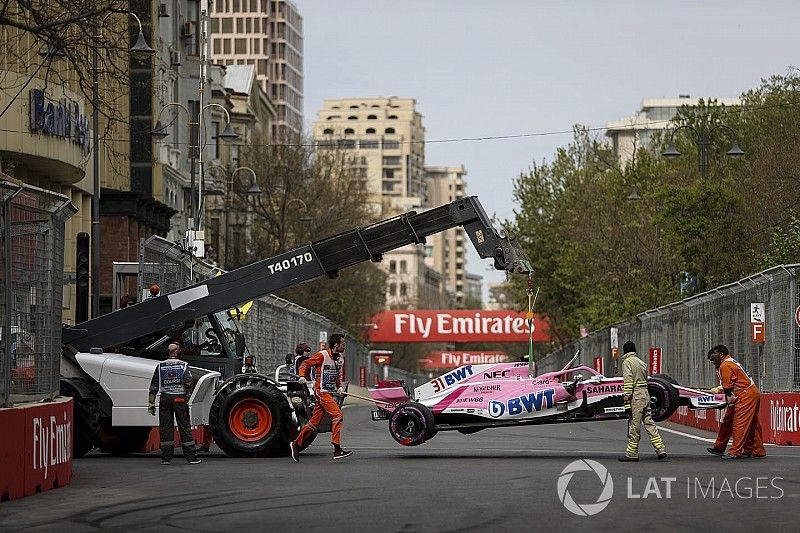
174	58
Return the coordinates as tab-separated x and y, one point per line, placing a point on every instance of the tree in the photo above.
308	196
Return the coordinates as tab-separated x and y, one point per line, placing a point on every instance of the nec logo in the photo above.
535	401
497	374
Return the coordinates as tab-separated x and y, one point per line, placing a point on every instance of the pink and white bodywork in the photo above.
476	397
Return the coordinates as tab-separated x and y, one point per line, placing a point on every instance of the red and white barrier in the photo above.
35	448
779	414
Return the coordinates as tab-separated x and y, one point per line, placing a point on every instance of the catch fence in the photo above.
686	330
31	291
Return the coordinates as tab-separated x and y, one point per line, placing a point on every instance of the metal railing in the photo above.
687	329
31	291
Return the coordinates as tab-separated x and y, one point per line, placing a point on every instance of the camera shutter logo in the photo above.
585	509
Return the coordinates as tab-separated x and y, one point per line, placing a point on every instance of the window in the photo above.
370	130
335	107
393	289
349	131
393	266
328	131
370	145
391	161
389	130
257	25
403	289
403	266
392	117
256	44
217	46
388	173
227	25
235	155
254	6
353	107
391	145
248	25
372	117
352	117
237	8
347	144
261	66
226	47
240	46
334	117
215	25
214	148
239	25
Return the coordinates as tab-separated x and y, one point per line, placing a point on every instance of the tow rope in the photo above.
529	320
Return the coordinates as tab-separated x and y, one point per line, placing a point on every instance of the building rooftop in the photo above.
240	78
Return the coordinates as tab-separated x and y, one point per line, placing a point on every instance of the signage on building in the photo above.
59	119
455	359
456	325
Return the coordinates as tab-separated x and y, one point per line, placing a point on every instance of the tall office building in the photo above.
632	133
388	141
269	35
447	252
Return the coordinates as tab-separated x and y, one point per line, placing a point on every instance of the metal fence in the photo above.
687	329
273	326
31	291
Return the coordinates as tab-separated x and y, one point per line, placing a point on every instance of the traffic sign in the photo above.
757	333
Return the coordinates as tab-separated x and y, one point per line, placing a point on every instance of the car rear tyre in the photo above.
251	418
411	424
663	398
666	377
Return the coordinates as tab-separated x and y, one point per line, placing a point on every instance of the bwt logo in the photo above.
452	378
585	509
535	401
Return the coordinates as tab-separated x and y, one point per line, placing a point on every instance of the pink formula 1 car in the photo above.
476	397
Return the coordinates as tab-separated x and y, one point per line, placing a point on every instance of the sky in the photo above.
531	67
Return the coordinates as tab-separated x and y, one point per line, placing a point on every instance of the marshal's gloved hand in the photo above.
716	390
151	404
628	411
340	390
301	380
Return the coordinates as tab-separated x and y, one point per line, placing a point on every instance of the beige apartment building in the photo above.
447	253
411	284
269	35
630	134
388	142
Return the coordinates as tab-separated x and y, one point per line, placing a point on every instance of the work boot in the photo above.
628	459
714	451
662	455
294	451
195	461
341	453
729	456
165	462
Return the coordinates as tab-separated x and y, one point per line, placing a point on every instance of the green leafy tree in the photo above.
307	196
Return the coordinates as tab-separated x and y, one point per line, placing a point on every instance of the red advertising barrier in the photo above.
455	325
779	415
36	448
655	361
441	360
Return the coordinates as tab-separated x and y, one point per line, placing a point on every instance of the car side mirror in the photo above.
238	339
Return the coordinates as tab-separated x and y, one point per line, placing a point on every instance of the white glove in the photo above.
340	390
301	380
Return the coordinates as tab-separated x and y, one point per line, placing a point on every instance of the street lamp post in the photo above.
140	51
230	188
195	151
702	138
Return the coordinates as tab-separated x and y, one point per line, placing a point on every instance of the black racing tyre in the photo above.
122	440
411	424
666	377
663	398
251	417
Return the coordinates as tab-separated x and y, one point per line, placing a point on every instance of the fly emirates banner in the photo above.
456	325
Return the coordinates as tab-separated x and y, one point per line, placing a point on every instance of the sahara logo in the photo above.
585	509
535	401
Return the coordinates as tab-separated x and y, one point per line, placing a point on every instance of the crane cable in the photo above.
529	320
